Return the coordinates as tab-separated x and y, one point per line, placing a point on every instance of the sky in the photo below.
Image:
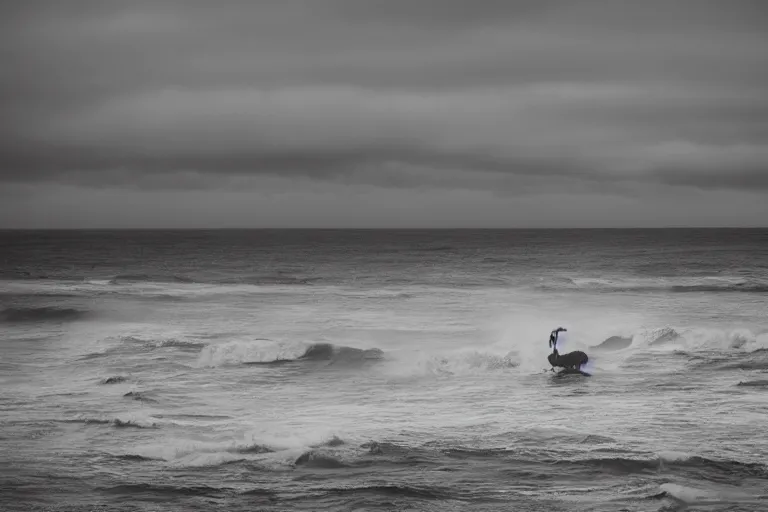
383	113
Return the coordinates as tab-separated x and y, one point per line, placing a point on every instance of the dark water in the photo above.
383	370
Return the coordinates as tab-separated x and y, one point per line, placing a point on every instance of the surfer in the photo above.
572	361
553	339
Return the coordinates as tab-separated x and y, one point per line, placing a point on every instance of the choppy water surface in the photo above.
341	370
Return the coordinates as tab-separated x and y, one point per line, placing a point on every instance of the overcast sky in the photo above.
383	113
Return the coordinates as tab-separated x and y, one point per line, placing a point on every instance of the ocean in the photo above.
383	370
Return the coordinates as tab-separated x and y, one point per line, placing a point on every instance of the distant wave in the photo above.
162	492
314	459
757	360
746	287
754	383
114	422
269	279
624	465
137	490
674	285
395	490
265	279
155	278
436	248
10	295
7	275
41	314
254	279
117	379
140	396
134	458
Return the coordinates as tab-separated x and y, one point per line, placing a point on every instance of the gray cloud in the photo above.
491	94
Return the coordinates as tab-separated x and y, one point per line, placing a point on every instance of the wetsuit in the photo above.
553	339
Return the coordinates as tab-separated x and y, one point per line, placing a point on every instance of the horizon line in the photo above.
424	228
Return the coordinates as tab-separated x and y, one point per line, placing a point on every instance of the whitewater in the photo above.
383	370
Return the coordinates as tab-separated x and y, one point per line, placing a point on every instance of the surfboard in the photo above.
568	371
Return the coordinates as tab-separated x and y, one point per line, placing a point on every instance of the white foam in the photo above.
249	350
139	418
280	446
525	332
700	338
694	496
459	362
690	338
673	456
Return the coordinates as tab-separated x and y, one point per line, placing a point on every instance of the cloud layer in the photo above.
513	97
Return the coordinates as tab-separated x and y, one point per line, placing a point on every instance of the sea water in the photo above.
382	370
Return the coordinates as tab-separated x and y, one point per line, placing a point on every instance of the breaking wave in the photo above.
436	362
328	351
743	340
314	459
328	355
162	343
720	497
278	452
254	353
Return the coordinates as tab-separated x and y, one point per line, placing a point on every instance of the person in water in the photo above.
553	339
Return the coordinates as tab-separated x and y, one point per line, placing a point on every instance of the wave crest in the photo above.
754	383
256	352
694	338
627	465
314	459
280	451
692	496
131	421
